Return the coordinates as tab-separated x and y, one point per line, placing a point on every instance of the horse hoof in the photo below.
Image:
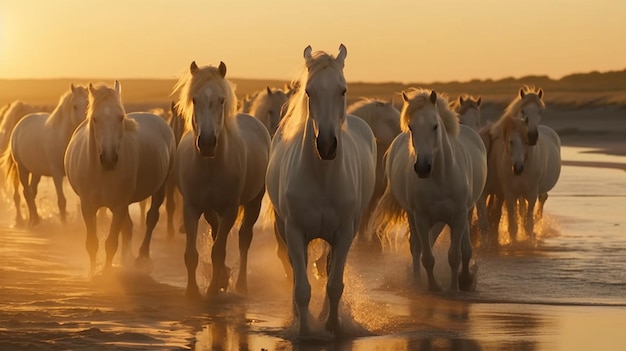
143	263
333	326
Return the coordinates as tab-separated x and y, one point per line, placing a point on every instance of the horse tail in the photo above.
386	215
9	166
267	217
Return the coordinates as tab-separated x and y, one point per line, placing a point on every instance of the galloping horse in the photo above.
37	147
436	170
320	178
267	106
520	173
468	109
115	159
220	167
384	120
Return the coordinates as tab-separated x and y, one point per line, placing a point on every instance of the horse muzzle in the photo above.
423	167
108	161
326	147
206	145
518	168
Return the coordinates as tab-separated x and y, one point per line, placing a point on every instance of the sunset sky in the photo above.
402	40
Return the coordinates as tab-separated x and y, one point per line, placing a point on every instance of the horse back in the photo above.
474	158
550	143
256	141
157	144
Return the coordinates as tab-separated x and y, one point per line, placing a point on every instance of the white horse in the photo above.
37	147
320	178
220	167
384	120
267	106
436	170
468	109
13	114
115	159
521	173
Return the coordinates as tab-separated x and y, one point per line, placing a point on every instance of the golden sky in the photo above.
400	40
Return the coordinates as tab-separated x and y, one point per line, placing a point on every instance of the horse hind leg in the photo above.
250	215
542	201
17	201
61	201
170	207
281	247
152	217
29	194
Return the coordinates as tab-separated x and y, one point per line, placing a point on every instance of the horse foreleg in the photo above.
529	217
61	201
152	217
466	279
250	215
416	248
127	236
428	259
170	207
119	217
89	217
458	229
335	285
494	215
511	211
190	217
298	255
218	252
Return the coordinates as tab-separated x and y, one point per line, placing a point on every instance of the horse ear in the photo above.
193	68
461	101
405	97
72	88
343	52
90	88
540	93
479	101
307	54
222	69
390	102
269	90
117	87
433	97
522	93
173	107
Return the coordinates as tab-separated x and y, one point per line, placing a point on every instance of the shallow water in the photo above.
566	293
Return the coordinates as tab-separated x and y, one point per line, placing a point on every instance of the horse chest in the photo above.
320	212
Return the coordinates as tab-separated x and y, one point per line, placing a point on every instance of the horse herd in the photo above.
328	173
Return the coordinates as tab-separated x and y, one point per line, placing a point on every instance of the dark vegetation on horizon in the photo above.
571	91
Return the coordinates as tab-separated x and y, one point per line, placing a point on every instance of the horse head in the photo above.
326	92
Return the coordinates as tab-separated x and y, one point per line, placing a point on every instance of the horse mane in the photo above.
418	98
298	108
56	116
190	84
13	114
531	96
103	94
503	127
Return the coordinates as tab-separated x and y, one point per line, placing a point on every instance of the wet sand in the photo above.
48	301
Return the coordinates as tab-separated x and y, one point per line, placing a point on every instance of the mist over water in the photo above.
534	297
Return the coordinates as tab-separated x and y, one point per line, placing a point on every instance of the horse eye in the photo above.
435	127
222	100
526	119
343	92
193	101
